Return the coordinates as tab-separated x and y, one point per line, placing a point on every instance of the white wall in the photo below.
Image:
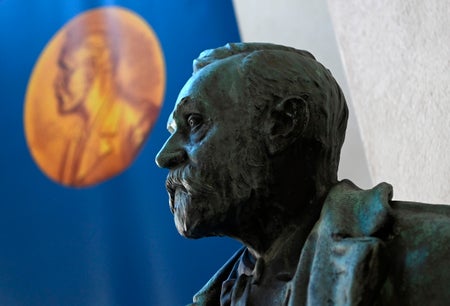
306	24
397	58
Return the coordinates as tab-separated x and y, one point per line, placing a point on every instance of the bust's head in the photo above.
256	133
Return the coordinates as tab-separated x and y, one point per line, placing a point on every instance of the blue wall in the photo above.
114	244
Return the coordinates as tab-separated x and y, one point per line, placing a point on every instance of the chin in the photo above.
195	225
189	227
188	215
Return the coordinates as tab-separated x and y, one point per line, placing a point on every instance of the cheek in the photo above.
243	168
227	164
79	83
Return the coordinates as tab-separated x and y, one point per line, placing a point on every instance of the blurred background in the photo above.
115	243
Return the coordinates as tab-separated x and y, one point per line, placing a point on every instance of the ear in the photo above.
286	122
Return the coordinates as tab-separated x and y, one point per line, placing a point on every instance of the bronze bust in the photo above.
253	154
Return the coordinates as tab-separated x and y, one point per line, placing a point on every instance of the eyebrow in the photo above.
185	101
184	105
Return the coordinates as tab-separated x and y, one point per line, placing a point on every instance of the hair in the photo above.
273	72
96	42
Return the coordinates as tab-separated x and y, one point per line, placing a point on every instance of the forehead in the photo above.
216	86
76	49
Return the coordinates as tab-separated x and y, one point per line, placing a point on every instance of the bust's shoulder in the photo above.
424	228
413	255
406	210
359	212
418	253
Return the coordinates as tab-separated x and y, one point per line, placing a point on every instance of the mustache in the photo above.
183	178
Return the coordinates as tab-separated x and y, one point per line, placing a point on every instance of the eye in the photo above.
194	121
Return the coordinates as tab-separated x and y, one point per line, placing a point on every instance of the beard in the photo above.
213	200
191	202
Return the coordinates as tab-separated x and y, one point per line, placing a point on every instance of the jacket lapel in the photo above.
342	262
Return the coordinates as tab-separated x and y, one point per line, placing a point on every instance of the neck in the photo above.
278	231
289	211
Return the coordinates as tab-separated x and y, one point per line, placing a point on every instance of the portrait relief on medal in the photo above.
93	96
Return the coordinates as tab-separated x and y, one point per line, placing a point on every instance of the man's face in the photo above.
209	150
74	79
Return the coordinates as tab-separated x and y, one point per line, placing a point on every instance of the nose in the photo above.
171	154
